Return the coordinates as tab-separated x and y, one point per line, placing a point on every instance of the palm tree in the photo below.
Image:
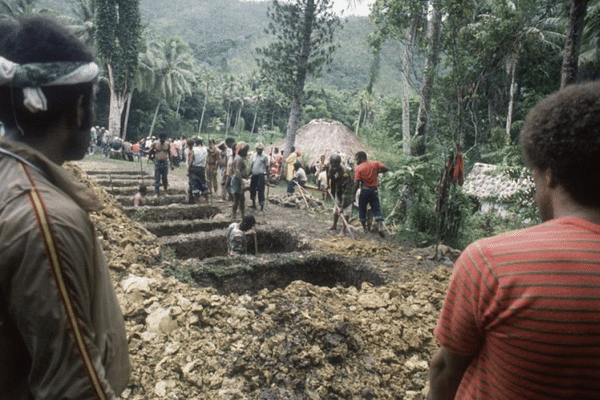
82	23
573	41
510	28
170	69
209	80
589	59
257	98
240	96
405	21
19	8
227	89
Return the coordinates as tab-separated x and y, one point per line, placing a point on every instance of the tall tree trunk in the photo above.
228	122
512	69
154	119
433	37
203	110
178	104
117	103
573	42
254	121
359	116
129	96
272	119
238	118
296	106
292	125
406	60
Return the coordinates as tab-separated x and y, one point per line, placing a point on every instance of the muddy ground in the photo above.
302	339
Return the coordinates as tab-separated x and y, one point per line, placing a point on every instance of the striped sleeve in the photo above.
469	303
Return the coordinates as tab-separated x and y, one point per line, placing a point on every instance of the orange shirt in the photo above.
367	172
526	304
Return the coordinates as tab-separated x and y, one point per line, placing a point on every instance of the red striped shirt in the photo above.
526	304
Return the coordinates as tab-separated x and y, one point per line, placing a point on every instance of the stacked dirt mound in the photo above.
301	342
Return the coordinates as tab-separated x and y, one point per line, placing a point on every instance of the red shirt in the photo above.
526	305
367	172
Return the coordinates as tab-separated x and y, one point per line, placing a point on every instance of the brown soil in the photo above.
297	341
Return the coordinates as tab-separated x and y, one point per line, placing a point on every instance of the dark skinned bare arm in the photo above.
446	372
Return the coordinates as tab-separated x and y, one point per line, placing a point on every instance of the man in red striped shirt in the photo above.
521	319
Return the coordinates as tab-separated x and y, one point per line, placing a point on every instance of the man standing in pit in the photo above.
521	316
237	235
260	175
160	152
366	179
62	334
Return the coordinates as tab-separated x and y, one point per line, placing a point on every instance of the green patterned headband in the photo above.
30	77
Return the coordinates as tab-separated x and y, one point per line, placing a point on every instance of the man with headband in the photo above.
62	334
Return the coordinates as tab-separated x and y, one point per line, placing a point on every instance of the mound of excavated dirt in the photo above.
301	342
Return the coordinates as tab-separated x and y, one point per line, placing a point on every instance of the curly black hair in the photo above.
36	40
563	133
361	156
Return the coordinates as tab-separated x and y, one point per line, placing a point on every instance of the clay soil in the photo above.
302	340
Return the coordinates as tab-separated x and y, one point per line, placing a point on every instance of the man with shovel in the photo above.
340	181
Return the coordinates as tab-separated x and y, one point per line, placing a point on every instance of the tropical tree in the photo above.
19	8
590	47
503	32
170	70
239	98
209	81
406	22
229	90
573	41
83	20
304	31
258	97
434	31
117	37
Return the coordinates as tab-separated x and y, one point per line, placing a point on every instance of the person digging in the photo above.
340	180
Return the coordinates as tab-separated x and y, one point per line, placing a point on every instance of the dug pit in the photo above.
204	245
171	212
249	275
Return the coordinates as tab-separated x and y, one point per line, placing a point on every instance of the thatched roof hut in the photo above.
324	137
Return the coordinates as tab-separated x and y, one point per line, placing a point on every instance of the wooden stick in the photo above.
302	193
348	228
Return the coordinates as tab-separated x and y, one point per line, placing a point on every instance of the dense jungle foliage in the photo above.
493	60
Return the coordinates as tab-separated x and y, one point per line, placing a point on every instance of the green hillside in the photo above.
224	34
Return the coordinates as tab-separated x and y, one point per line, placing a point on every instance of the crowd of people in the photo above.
233	169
